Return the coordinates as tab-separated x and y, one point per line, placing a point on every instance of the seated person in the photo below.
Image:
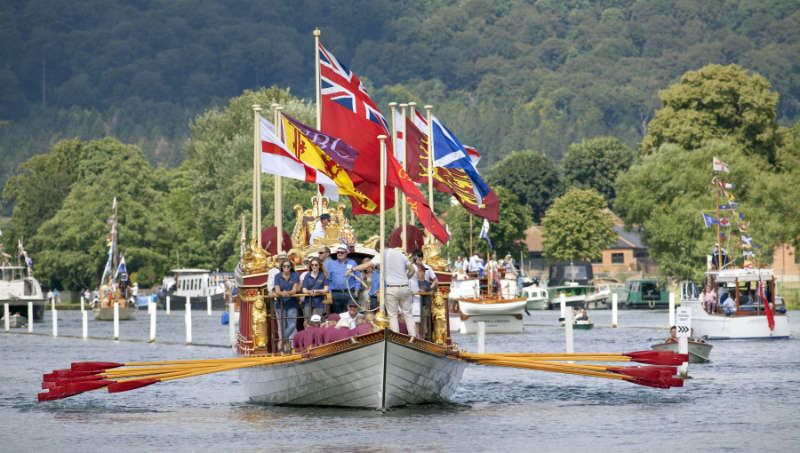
581	315
319	228
673	335
728	306
350	316
308	334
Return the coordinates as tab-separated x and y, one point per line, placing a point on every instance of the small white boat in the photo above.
18	287
15	321
699	351
536	297
196	285
492	306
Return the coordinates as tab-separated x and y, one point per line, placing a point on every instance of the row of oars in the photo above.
120	377
660	373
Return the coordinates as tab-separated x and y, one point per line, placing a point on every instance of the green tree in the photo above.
595	164
667	191
507	235
40	186
577	226
533	177
69	249
715	102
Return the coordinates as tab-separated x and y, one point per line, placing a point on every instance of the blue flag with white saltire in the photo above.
708	220
121	269
485	233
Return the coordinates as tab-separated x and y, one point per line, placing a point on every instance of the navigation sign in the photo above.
683	322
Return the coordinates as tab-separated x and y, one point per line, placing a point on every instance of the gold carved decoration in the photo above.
439	318
259	321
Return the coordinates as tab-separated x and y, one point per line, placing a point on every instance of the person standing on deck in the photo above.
287	284
398	297
344	287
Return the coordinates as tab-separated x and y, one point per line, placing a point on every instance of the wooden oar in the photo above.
120	377
655	375
649	357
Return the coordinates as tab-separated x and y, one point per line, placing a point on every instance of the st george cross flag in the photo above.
485	233
448	180
720	165
708	220
276	159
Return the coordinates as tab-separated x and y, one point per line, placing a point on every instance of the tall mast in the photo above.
719	238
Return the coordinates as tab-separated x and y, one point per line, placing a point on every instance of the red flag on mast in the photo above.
767	308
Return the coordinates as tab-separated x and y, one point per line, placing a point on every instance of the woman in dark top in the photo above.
316	284
287	284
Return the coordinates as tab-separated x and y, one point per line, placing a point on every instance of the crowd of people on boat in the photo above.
336	297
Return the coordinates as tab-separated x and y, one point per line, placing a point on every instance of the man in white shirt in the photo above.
350	316
397	270
319	228
423	280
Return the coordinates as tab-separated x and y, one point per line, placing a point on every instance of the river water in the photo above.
745	400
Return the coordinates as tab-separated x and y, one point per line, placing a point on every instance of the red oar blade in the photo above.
84	386
643	372
649	383
130	385
94	366
658	357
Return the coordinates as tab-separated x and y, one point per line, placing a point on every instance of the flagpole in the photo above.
719	239
428	108
411	106
403	198
470	235
278	191
382	138
393	105
318	83
256	170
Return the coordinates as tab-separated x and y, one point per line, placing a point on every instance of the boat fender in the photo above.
651	303
456	307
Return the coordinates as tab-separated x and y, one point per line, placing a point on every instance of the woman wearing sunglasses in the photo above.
315	283
287	284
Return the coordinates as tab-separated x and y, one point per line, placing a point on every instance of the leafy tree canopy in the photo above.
70	248
715	102
533	177
595	163
667	191
577	226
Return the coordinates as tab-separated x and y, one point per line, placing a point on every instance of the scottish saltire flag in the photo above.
720	165
708	220
485	233
448	152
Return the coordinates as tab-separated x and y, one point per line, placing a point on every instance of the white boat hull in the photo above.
492	324
511	307
721	327
383	372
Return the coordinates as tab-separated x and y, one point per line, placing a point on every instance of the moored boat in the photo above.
536	297
646	293
582	324
699	351
114	285
17	288
195	285
15	321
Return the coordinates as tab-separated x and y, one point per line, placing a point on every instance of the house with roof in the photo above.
627	255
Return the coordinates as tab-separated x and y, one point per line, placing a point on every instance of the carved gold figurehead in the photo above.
431	253
255	260
439	318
